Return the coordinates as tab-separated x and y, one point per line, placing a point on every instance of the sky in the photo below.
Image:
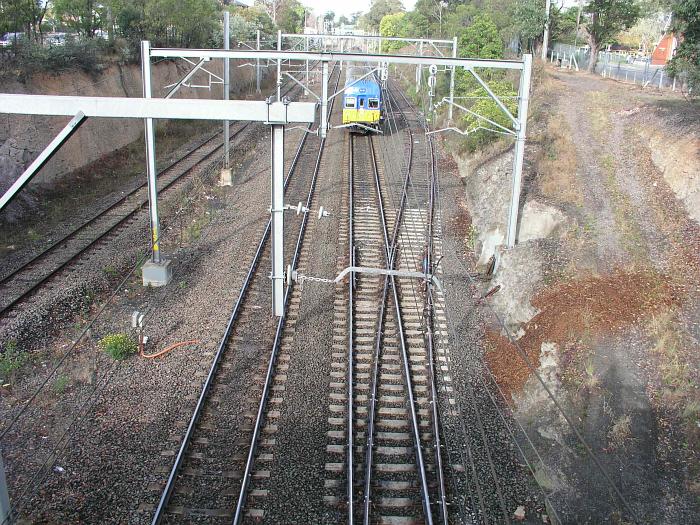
344	7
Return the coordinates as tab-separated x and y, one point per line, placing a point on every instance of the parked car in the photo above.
55	39
9	39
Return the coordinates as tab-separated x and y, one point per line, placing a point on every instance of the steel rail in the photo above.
369	443
122	200
429	321
351	307
404	351
260	417
170	484
390	258
482	432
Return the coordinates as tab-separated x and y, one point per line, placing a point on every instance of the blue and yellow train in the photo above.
362	101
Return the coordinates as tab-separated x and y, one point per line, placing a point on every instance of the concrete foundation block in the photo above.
225	177
157	274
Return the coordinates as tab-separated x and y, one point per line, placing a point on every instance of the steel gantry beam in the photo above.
519	122
337	57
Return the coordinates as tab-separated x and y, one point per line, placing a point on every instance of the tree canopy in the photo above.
605	20
380	8
686	22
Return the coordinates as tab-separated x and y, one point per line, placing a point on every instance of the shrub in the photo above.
118	346
486	107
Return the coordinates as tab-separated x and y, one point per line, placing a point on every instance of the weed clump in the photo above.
11	359
118	346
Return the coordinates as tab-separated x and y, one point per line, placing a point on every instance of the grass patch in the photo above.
110	271
556	164
61	383
12	359
620	433
118	346
623	213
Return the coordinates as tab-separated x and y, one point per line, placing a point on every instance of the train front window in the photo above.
349	102
362	102
373	103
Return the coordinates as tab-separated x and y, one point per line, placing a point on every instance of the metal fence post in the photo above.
523	99
453	69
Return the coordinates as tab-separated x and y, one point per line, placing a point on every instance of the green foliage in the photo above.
245	22
562	25
486	107
392	26
686	16
28	59
83	16
23	16
380	8
181	23
61	384
530	18
118	346
290	17
481	39
11	359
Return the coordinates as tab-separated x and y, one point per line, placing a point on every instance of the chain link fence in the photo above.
621	66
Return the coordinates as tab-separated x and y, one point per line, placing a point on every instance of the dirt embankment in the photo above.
23	137
602	291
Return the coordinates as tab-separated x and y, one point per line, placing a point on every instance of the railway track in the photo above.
23	282
231	429
390	419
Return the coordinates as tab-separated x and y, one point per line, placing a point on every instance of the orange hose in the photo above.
171	347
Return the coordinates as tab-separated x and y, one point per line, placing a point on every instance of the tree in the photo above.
392	26
481	39
343	20
83	16
290	17
530	18
23	16
605	20
379	9
686	22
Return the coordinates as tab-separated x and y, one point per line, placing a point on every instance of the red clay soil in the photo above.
596	305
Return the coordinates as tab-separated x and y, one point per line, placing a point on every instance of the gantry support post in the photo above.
306	48
257	62
227	84
42	159
523	99
453	69
277	212
157	271
323	125
545	37
5	508
419	68
279	67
